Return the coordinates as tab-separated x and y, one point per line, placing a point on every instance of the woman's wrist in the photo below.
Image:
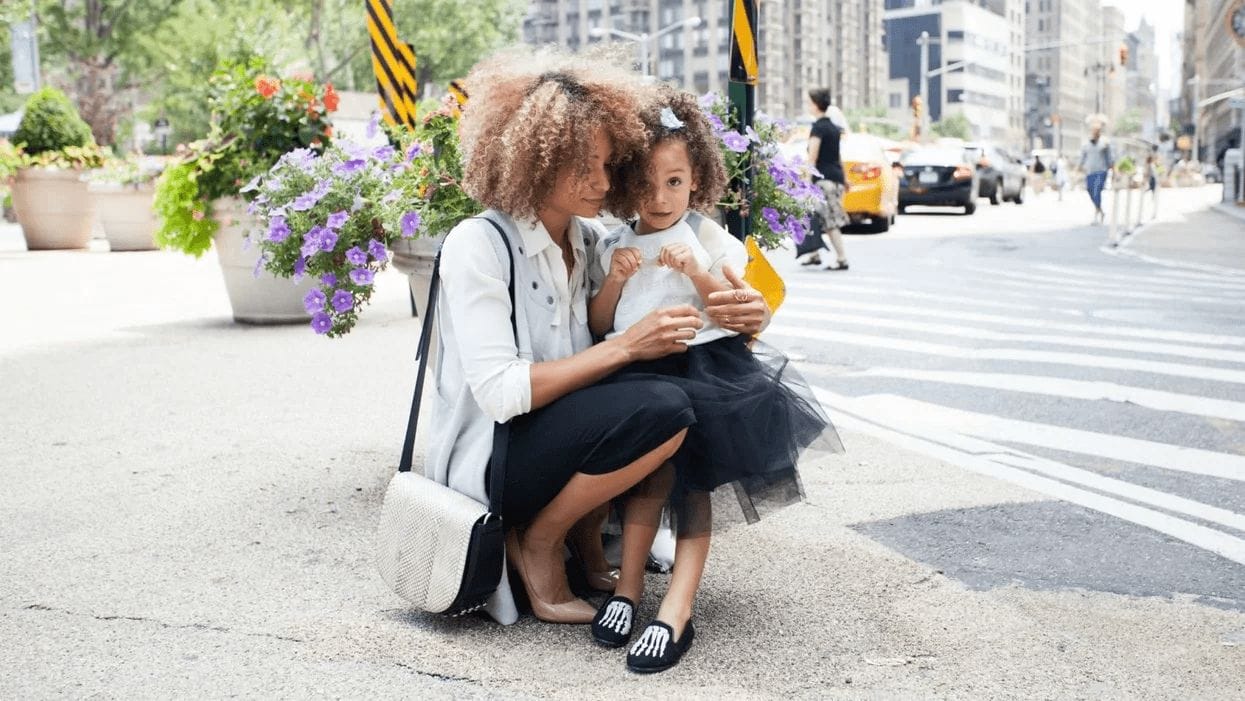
618	350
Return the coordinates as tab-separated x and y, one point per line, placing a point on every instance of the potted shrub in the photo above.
49	195
256	118
124	192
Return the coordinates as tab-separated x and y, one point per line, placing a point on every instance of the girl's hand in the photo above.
740	309
662	332
679	256
624	263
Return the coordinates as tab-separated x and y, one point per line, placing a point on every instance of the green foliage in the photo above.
1126	165
450	36
873	120
953	126
1129	124
186	223
51	124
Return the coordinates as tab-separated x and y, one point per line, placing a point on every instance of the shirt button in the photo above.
535	285
549	300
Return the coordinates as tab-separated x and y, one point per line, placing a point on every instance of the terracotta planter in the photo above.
126	216
53	207
415	258
262	299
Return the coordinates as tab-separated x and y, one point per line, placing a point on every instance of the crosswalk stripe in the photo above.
1032	283
1195	461
990	335
1124	252
1021	355
938	297
1024	322
1158	400
1140	279
930	443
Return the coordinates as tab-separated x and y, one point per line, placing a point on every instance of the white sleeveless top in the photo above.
655	286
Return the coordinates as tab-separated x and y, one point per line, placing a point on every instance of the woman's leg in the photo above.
836	242
542	542
640	522
585	539
690	556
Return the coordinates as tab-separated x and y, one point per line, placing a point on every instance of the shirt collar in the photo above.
536	237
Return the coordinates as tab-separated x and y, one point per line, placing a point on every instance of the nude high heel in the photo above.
573	611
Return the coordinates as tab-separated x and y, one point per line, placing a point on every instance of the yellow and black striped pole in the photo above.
393	62
744	75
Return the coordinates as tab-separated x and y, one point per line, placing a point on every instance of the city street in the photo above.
1043	492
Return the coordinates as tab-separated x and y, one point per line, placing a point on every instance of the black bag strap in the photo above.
501	432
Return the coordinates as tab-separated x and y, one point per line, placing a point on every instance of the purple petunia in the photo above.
373	126
358	203
313	301
350	167
328	240
377	249
752	135
735	141
716	123
362	276
302	158
312	241
252	185
414	150
342	301
797	229
383	153
321	322
328	279
338	219
410	224
300	268
390	197
708	100
304	202
356	256
278	229
772	218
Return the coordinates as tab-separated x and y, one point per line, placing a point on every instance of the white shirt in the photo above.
655	286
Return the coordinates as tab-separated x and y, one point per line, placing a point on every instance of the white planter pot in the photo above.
415	257
265	299
53	207
126	216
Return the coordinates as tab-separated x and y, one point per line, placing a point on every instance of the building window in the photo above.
896	100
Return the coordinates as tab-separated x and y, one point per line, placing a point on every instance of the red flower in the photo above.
267	86
328	132
331	98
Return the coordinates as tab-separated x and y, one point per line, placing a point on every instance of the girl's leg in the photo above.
690	556
541	544
640	522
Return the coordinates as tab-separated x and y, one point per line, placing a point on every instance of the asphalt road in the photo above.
1015	344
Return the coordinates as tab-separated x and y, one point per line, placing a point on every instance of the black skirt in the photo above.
755	418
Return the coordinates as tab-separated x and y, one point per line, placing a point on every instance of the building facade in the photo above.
801	44
1141	80
980	45
1214	64
1064	43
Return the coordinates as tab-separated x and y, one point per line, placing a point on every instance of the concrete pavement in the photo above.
189	511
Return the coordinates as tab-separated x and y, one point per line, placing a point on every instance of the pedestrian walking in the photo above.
1096	161
1039	175
823	153
1152	183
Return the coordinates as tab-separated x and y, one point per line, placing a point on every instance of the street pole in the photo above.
923	41
744	75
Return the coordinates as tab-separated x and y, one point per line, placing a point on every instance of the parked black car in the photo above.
939	176
1002	175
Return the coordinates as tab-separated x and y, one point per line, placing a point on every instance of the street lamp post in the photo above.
643	38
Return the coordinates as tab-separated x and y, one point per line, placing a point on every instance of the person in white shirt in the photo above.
536	138
754	415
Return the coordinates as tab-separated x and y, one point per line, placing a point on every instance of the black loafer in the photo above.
612	625
656	650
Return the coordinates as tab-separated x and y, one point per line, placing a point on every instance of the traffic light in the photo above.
1123	55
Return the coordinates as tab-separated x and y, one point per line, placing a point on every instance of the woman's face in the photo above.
582	194
812	107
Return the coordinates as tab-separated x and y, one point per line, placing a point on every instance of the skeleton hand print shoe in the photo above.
656	650
612	625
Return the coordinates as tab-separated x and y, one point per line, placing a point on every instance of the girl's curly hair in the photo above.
531	115
629	176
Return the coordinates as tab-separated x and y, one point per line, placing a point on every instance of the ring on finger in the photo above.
742	296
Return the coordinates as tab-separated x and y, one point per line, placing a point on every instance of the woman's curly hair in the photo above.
531	115
629	178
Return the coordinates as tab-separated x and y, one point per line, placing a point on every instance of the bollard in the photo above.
1113	238
1154	202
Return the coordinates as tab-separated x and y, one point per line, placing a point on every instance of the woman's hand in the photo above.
740	309
624	263
679	256
662	332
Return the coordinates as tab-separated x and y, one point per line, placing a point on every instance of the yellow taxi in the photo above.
872	197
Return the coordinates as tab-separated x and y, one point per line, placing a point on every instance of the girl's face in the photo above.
582	194
670	186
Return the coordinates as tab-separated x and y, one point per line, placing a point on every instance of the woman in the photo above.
823	153
537	138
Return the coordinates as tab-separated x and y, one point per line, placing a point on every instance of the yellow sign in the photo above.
393	62
761	275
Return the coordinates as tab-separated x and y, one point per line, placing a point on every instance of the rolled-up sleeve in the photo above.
475	295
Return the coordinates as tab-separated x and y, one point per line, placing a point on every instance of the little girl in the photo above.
754	416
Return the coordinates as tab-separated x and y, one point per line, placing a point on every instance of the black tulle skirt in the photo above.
755	418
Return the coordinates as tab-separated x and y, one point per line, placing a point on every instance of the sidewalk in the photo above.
1213	237
189	511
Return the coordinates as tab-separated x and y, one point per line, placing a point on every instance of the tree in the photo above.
1129	124
953	126
873	120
